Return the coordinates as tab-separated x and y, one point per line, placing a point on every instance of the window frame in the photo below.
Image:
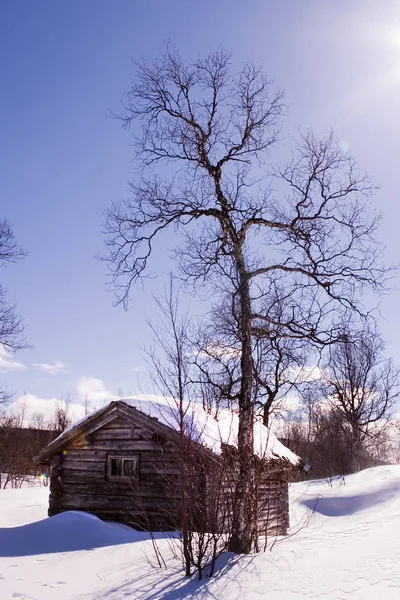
122	457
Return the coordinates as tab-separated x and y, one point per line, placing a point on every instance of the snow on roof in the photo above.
213	430
210	430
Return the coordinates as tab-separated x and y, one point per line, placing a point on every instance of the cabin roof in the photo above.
163	417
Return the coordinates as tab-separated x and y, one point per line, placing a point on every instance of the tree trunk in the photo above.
243	517
356	449
267	409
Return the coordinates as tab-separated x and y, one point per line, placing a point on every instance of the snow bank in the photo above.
65	532
345	554
377	488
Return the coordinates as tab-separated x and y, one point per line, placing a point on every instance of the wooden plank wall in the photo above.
79	482
79	478
273	507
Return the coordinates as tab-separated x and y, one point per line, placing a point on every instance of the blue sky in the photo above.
64	65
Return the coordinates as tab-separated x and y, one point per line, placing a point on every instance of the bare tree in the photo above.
62	418
304	241
11	328
362	386
20	442
279	363
202	508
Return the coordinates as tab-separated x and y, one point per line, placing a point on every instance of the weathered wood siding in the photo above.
271	505
79	478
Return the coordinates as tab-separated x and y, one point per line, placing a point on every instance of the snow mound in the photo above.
377	488
354	555
65	532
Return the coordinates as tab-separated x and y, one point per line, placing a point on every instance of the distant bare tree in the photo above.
362	386
62	418
38	421
302	237
20	442
279	363
11	327
203	536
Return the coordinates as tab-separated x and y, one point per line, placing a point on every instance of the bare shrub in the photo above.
19	444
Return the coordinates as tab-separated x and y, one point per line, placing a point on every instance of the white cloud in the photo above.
306	374
94	390
52	368
220	351
6	363
88	388
27	406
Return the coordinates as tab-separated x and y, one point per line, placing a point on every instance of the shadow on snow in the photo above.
173	586
340	506
67	532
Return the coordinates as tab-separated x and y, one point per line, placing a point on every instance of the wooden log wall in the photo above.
272	507
271	500
79	478
79	481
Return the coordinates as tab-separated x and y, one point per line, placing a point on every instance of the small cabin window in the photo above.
114	471
122	467
129	467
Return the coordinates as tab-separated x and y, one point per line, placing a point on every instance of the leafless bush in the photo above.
326	443
11	326
361	386
19	443
198	486
17	449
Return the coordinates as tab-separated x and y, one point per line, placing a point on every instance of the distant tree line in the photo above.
21	441
346	421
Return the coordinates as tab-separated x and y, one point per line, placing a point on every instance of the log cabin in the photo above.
131	460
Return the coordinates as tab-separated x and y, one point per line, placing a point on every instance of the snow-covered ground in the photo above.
350	549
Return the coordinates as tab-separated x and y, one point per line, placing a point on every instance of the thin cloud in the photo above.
93	389
6	363
52	368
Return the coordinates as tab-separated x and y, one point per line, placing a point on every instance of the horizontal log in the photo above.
88	502
122	445
86	454
123	424
111	490
266	484
72	475
262	514
146	454
82	442
265	514
119	434
160	471
271	501
70	463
